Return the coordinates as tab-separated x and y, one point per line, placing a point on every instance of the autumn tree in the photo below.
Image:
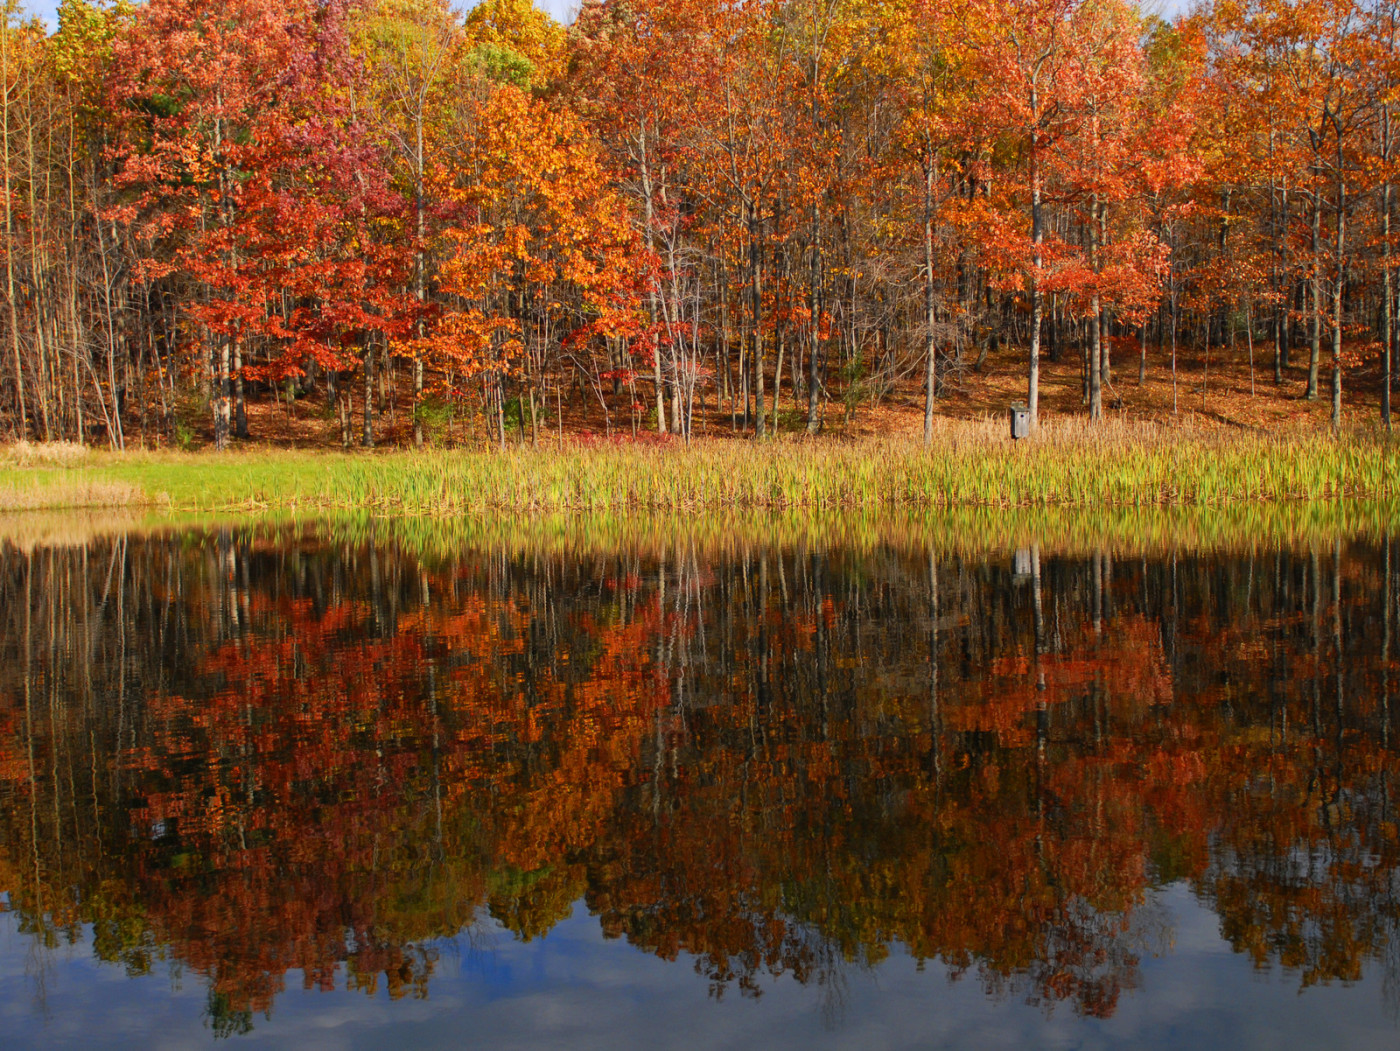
537	253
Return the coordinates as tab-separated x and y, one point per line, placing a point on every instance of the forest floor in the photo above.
1204	396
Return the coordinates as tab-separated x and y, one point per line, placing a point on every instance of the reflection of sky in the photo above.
577	989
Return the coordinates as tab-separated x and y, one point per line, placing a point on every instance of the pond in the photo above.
344	784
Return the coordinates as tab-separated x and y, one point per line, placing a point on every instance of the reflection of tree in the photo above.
1304	854
253	754
303	798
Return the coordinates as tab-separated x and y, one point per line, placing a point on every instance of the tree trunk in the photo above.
1096	356
755	267
1142	354
501	409
1175	402
1388	307
222	404
814	351
419	281
1037	259
240	406
648	223
1249	336
781	342
9	225
1315	319
930	345
367	428
1337	297
1284	319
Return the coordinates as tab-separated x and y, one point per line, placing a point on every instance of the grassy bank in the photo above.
971	465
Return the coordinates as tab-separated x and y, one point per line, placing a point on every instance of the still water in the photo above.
332	786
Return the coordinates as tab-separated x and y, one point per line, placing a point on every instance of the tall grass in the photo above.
47	494
972	465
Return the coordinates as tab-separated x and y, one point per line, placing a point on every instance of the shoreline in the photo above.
1148	532
1067	467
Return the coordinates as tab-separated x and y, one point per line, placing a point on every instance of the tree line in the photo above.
766	210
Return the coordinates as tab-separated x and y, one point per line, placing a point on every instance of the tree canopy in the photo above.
763	207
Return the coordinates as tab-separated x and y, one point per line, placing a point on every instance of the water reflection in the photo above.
249	753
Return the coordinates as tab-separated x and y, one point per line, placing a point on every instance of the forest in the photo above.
762	212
